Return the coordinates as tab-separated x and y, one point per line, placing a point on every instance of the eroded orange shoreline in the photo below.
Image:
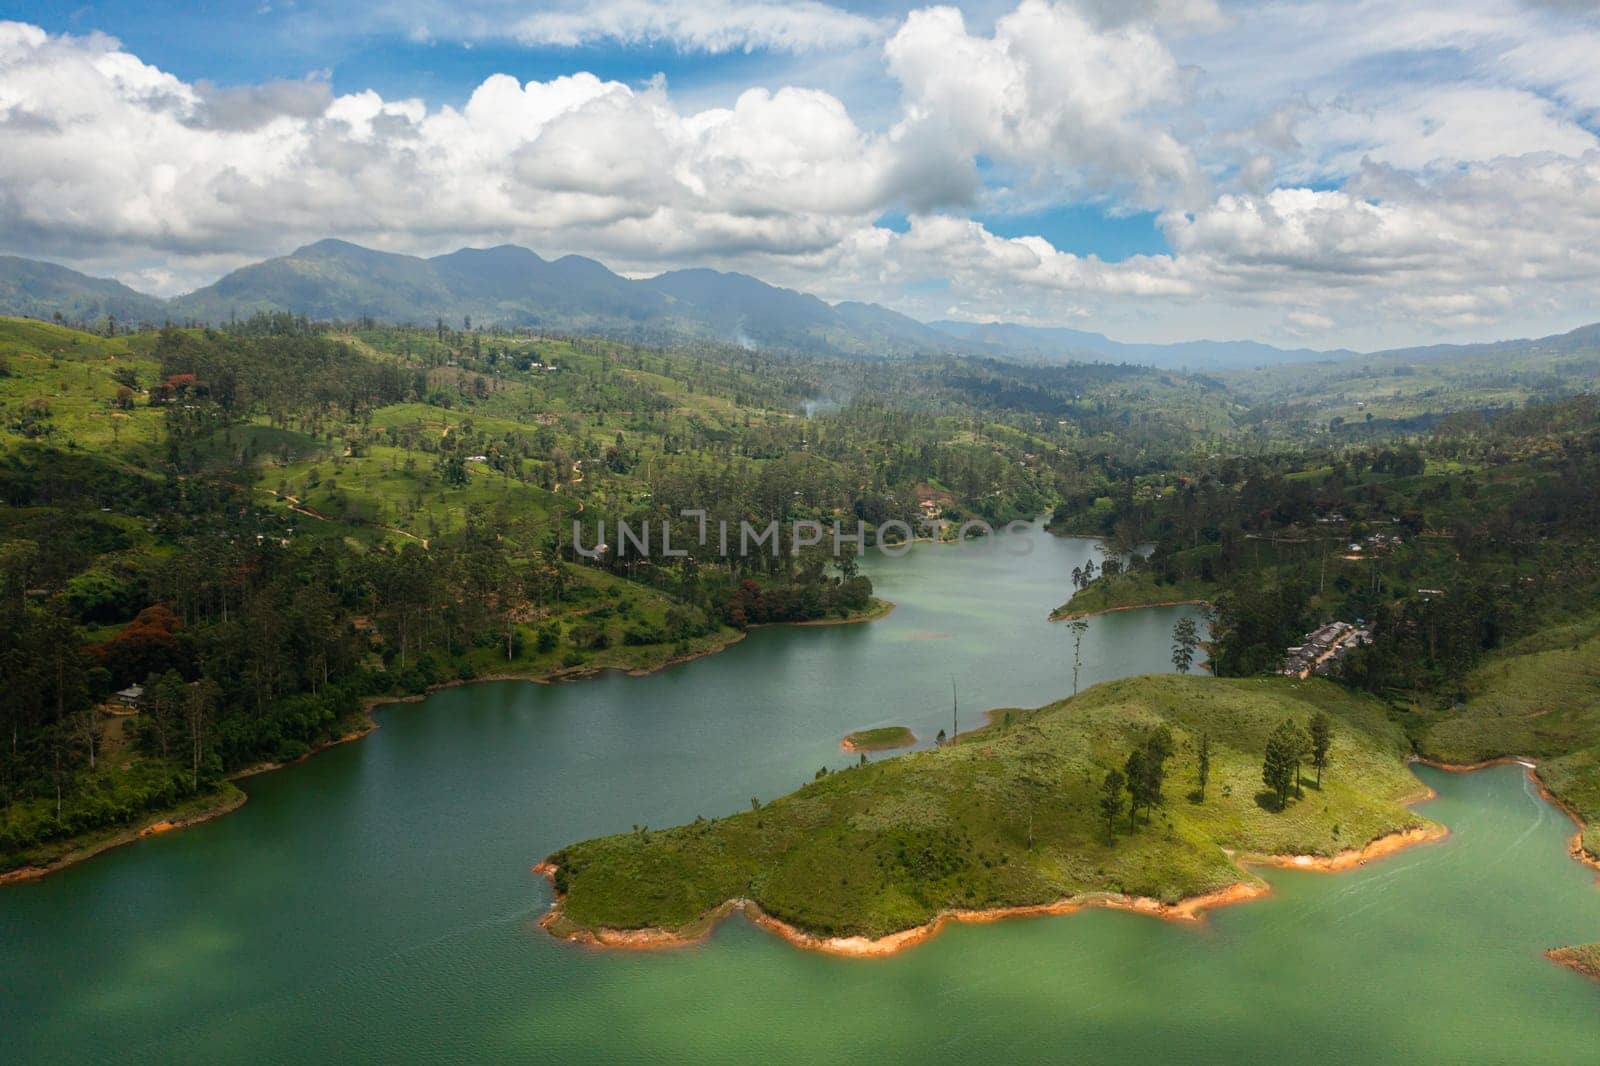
1192	909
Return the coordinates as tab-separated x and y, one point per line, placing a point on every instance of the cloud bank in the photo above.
1301	194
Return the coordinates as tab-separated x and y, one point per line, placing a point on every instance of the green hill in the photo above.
36	289
889	845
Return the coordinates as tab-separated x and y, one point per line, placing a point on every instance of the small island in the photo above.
1058	810
883	738
1582	958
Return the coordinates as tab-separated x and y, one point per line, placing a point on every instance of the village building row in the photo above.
1324	650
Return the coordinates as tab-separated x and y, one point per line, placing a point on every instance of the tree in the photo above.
1079	628
1185	638
1035	787
1302	753
1137	782
1146	771
1111	801
1281	763
199	708
1203	768
86	725
1158	748
163	705
453	470
1321	741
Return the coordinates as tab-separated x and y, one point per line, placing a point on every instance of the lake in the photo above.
376	902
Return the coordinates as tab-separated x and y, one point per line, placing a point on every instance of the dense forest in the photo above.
264	526
1448	544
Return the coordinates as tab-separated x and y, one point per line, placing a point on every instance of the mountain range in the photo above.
512	286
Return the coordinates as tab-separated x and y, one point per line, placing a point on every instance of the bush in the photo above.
549	637
589	636
643	633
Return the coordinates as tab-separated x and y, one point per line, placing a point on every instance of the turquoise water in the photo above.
376	902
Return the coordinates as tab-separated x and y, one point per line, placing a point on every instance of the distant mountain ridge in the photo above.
1046	340
513	286
33	289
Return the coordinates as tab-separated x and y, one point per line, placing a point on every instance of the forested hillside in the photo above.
267	525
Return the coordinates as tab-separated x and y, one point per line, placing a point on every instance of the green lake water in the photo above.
376	902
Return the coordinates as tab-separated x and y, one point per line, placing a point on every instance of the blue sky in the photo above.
245	43
1355	173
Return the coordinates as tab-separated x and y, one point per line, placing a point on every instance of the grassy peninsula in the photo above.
884	738
888	846
1131	589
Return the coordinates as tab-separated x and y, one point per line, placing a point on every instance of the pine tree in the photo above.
1111	801
1280	765
1136	780
1321	741
1185	639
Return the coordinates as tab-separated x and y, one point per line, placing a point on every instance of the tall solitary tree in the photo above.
1185	639
1079	628
1321	741
1203	768
1111	801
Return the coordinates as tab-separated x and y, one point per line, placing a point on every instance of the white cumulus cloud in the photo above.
1354	174
707	25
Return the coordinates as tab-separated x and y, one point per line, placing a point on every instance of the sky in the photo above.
1330	174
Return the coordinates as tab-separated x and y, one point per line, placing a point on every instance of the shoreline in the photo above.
1058	615
1575	849
880	609
162	821
1188	909
152	825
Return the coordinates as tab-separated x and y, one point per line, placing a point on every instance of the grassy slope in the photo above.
885	847
1539	698
71	372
